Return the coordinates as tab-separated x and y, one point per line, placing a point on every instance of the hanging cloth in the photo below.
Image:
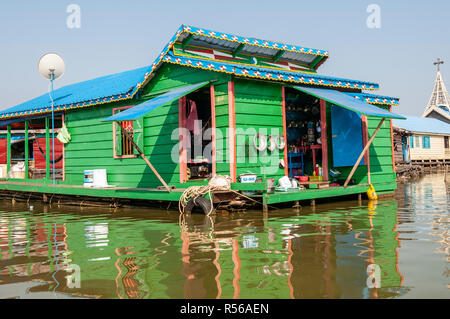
64	135
192	122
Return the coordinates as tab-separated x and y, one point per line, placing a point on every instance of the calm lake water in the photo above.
321	253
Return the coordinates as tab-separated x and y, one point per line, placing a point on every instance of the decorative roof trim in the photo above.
254	42
267	74
376	99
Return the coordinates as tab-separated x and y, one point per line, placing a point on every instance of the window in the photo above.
126	147
417	141
122	146
426	142
411	141
446	142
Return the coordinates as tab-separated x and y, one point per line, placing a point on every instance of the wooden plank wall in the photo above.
91	146
382	173
258	106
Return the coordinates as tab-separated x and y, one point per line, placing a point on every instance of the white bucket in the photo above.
95	178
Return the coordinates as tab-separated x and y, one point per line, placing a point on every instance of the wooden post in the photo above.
283	111
8	150
130	139
232	131
182	127
363	152
47	149
213	129
365	133
392	142
181	130
323	137
26	150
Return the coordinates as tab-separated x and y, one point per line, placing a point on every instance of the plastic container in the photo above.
247	178
95	178
315	178
303	178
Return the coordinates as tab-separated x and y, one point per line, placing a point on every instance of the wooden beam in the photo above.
213	129
283	111
392	143
315	62
232	131
181	130
365	134
26	150
363	152
238	49
323	137
8	149
278	55
186	41
130	139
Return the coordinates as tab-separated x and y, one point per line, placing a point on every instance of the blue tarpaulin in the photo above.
142	109
348	102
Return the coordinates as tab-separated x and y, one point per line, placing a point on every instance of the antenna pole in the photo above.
53	131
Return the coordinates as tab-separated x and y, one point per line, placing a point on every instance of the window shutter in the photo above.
411	141
118	139
138	134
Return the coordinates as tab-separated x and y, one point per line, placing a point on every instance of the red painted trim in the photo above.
365	135
283	111
213	129
323	137
232	130
114	110
392	143
181	125
63	153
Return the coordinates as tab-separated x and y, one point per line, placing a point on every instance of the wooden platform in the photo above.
153	194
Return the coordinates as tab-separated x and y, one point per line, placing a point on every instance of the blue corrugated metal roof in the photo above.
94	91
143	108
348	102
423	125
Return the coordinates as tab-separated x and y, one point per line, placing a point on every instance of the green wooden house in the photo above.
211	104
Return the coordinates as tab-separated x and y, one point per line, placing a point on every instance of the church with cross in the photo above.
426	139
439	105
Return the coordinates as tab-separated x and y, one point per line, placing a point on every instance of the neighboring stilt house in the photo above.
426	139
212	103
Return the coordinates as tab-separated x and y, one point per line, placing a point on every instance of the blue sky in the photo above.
120	35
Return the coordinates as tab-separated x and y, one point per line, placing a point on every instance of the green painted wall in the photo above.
258	110
91	146
257	106
382	173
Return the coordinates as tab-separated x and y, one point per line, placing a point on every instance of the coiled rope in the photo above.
198	191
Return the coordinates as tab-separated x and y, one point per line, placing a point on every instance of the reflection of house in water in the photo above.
32	249
313	255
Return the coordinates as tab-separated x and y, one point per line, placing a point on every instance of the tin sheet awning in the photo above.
343	100
165	98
